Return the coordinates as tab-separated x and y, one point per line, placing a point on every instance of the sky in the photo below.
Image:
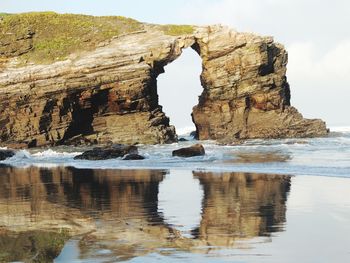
316	34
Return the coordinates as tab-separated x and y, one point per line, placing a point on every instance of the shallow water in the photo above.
235	204
329	156
178	215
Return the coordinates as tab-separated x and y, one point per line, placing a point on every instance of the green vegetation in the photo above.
177	30
44	37
4	14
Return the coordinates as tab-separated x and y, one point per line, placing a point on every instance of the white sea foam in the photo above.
185	130
51	153
22	154
340	129
318	156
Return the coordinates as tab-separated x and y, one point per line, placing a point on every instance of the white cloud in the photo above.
317	39
319	83
333	66
224	12
315	32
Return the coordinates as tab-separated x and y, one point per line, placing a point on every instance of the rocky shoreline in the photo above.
126	152
109	92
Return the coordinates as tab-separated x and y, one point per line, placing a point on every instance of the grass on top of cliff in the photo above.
176	30
45	37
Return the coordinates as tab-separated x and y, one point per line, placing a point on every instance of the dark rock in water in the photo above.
109	152
194	134
183	140
4	154
3	165
133	156
194	150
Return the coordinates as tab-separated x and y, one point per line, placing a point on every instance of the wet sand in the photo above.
175	216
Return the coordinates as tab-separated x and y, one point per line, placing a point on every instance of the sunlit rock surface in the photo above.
110	93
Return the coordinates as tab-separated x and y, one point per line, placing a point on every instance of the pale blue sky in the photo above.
316	34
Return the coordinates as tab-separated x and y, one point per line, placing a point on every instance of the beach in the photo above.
175	215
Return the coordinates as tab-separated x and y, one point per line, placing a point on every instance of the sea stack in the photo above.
102	87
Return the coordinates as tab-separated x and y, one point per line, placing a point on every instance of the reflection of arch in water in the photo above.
117	193
241	205
124	193
106	203
234	206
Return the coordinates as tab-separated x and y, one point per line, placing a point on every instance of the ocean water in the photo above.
262	201
328	156
171	216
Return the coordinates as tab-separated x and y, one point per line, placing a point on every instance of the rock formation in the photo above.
4	154
194	150
109	152
109	92
133	156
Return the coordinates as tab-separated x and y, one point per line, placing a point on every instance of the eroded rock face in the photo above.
246	93
110	94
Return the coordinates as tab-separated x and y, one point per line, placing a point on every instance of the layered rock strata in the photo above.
110	93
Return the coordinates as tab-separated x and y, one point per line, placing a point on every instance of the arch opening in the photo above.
179	89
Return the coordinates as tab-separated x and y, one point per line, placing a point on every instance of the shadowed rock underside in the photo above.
109	93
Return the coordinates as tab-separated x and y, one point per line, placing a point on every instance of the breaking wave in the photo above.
329	156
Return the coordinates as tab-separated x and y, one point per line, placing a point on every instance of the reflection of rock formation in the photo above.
239	205
31	246
113	205
261	157
74	193
118	209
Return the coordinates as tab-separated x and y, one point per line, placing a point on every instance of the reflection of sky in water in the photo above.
135	215
180	201
318	224
317	229
69	253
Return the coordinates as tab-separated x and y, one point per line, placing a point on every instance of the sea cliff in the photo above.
74	79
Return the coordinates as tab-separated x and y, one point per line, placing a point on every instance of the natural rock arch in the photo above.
110	93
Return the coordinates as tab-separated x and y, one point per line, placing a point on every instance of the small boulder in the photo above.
194	134
194	150
183	140
4	154
133	156
109	152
